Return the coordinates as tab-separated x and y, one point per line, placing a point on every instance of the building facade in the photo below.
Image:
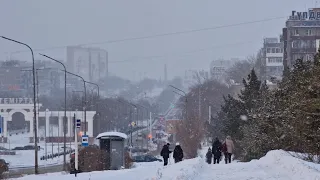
301	36
89	63
218	68
272	59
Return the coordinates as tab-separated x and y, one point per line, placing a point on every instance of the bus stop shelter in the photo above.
113	143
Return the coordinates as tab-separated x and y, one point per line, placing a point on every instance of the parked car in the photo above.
27	147
145	158
4	166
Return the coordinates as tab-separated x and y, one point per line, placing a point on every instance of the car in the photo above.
4	166
145	158
27	147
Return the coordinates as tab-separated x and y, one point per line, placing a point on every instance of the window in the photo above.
275	60
273	50
296	43
277	50
297	56
268	50
313	44
309	32
296	32
309	57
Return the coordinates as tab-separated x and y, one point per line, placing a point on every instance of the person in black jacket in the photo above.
177	153
216	151
165	152
209	156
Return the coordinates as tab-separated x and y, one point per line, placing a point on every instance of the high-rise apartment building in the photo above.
301	36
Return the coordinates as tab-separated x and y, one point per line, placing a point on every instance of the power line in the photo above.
160	35
180	53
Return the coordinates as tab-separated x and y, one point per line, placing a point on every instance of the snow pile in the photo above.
276	164
297	168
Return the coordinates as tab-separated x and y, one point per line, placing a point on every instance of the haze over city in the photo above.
46	24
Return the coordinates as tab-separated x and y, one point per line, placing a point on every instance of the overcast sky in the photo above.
51	23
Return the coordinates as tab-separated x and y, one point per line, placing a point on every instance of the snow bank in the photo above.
297	168
275	165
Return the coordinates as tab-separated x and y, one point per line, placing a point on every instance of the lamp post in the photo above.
99	118
185	96
65	108
34	105
147	110
130	104
85	100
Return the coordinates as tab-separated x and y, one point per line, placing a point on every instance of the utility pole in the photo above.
209	114
199	103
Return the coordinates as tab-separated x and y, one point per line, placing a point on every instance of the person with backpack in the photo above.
209	156
227	149
216	150
177	153
165	152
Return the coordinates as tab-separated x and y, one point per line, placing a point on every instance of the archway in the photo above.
18	122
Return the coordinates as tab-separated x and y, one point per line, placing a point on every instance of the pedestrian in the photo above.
165	152
216	150
228	148
177	153
209	156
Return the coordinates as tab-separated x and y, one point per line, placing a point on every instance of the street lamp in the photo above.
147	110
65	109
85	100
130	104
99	118
34	105
185	96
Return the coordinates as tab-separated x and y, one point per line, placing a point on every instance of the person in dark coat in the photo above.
165	152
209	156
216	151
177	153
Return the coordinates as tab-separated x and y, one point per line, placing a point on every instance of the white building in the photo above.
219	67
273	58
89	63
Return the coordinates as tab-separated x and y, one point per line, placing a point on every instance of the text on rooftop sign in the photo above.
308	15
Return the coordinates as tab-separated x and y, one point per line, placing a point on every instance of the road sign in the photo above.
78	124
85	140
133	124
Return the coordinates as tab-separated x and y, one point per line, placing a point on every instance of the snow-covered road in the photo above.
276	165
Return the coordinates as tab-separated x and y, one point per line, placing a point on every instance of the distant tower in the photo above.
165	73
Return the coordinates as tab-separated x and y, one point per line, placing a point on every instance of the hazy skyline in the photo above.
45	24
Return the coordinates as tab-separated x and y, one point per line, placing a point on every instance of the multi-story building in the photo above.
219	67
301	36
271	59
192	77
89	63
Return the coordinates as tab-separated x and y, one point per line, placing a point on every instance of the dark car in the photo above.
145	158
4	166
27	147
